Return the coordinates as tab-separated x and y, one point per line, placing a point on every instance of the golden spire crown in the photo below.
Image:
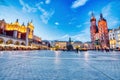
17	23
30	25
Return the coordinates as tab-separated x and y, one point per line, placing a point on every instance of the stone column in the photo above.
15	34
27	36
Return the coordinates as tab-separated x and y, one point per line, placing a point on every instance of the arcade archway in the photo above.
9	42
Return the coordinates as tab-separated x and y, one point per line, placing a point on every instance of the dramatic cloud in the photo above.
83	36
65	36
13	15
47	1
90	12
78	3
26	7
112	19
46	15
56	23
3	2
79	26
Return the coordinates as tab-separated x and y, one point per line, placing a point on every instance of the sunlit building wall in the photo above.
112	39
103	32
60	44
37	39
16	30
117	33
77	44
88	45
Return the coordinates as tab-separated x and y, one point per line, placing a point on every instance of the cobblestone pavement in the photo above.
58	65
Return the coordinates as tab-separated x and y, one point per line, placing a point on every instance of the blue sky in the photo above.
60	19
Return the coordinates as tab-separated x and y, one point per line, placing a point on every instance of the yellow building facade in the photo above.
17	30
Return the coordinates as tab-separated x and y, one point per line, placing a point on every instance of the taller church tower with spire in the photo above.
103	32
93	29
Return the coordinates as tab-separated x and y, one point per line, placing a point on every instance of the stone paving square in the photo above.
59	65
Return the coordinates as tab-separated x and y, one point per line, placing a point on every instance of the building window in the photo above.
118	35
113	37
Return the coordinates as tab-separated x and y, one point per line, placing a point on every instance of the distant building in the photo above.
87	45
46	44
63	45
99	35
60	44
112	38
117	34
77	44
36	39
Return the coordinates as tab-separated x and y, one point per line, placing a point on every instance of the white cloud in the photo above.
86	23
96	14
26	7
108	11
83	36
90	12
78	3
47	1
39	4
79	26
65	36
56	23
13	15
46	15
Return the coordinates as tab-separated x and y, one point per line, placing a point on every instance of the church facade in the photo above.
99	33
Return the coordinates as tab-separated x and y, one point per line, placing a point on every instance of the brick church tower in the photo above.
99	35
93	29
103	32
